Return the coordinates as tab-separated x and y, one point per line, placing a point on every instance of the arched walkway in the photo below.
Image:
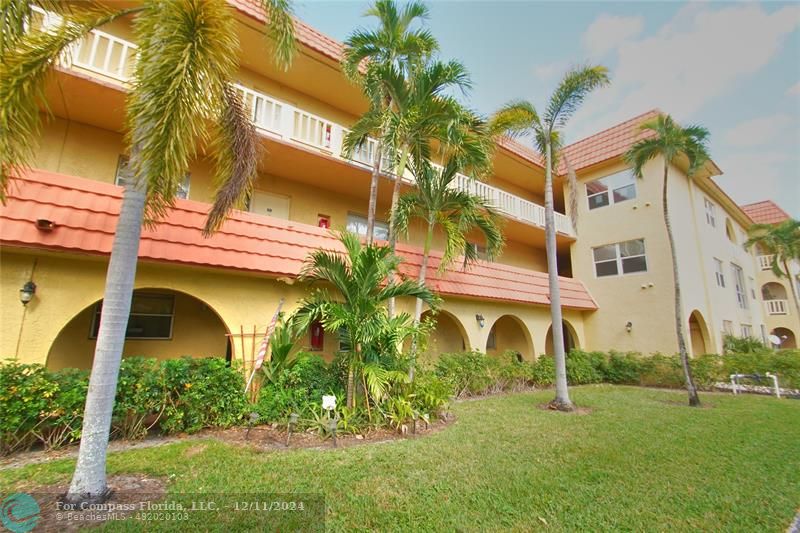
449	334
699	337
570	338
787	336
163	324
509	333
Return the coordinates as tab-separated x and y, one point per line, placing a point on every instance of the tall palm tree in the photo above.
437	201
782	241
181	97
395	45
521	118
358	307
671	142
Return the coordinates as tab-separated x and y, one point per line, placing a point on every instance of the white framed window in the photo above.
719	273
480	251
741	291
747	331
124	175
151	317
358	225
710	212
612	189
620	258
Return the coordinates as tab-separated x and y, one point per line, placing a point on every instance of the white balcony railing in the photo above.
777	307
112	57
765	261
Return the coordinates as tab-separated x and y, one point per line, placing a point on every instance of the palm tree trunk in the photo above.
562	401
373	193
89	480
694	399
426	252
350	386
398	176
792	287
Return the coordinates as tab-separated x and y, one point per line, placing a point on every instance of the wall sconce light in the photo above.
629	326
480	319
26	292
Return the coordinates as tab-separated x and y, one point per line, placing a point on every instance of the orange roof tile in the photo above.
766	212
85	214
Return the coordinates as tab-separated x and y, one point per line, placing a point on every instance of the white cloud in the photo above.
697	56
608	32
760	175
794	90
759	131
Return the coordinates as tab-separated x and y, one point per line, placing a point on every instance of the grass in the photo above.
640	460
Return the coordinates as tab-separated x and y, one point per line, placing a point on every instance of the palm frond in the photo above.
280	30
235	149
514	119
571	93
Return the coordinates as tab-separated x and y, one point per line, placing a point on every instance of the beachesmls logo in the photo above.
20	513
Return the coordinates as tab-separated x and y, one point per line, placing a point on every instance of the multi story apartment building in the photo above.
214	296
778	299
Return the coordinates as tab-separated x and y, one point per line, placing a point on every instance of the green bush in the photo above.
585	367
200	393
430	394
140	397
623	368
544	370
784	363
740	345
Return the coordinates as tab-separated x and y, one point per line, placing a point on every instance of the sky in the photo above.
733	67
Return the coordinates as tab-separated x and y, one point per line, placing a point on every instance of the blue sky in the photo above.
733	67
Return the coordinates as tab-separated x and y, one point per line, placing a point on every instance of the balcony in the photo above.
765	262
777	307
112	58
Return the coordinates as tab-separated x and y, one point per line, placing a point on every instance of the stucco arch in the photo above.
773	290
197	330
570	338
509	332
699	336
787	336
449	334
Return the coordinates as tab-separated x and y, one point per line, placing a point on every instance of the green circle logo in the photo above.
20	513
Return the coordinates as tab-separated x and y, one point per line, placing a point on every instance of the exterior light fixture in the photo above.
26	292
251	420
629	326
480	319
293	419
332	425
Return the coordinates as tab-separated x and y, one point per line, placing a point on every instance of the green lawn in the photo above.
639	461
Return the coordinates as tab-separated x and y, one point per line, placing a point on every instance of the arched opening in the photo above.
570	338
509	334
787	337
698	334
447	336
164	324
775	298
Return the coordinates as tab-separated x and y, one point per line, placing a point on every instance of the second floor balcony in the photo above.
111	59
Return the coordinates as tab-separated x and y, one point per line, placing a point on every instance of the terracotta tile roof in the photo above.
766	212
304	33
606	144
85	214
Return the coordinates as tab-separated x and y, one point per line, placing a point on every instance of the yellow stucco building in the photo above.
214	296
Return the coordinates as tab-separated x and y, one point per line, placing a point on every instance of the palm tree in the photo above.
181	97
520	117
394	46
782	241
670	141
358	308
437	201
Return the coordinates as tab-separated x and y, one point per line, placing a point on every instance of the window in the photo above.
729	231
719	273
747	331
612	189
358	225
710	215
752	288
124	175
620	258
738	277
480	251
151	317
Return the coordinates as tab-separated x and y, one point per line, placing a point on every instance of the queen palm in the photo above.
782	242
394	46
181	97
358	306
671	142
521	117
438	202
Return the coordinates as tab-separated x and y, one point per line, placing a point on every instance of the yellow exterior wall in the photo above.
510	335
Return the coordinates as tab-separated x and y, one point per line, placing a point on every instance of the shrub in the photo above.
739	345
784	363
25	395
430	394
466	372
201	392
623	368
544	370
62	422
585	367
140	397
